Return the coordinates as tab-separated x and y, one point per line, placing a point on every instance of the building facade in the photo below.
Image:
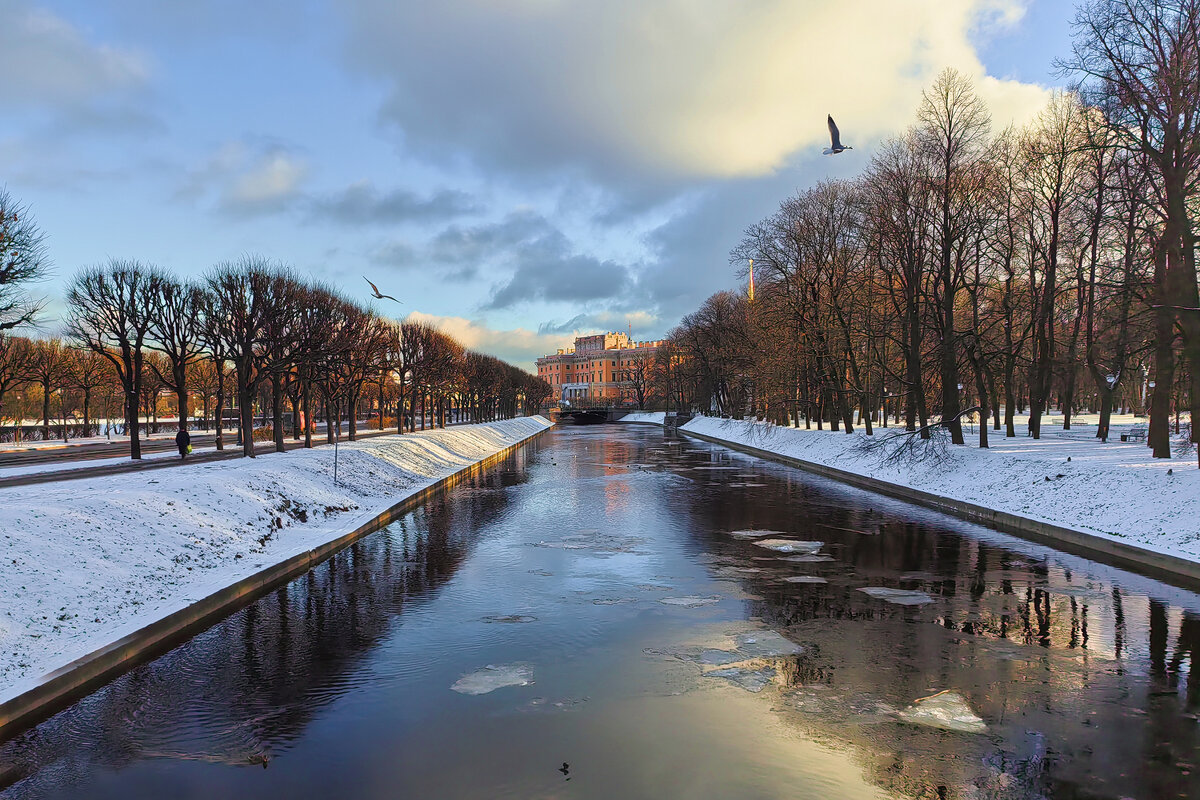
597	370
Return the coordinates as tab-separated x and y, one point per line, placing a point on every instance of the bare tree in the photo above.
1140	64
176	331
637	375
16	357
242	304
23	260
111	309
48	369
953	129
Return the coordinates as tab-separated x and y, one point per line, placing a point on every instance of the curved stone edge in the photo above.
1172	569
75	680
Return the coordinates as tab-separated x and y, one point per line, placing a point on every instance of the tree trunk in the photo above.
246	414
45	410
277	411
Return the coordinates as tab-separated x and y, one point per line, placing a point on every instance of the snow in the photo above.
1114	490
85	562
654	417
88	463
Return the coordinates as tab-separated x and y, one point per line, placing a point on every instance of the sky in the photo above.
517	172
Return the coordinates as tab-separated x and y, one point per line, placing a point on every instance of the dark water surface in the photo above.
596	567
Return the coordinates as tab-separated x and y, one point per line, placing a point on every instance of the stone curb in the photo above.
1173	569
67	684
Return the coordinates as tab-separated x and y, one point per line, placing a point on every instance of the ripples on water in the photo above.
618	574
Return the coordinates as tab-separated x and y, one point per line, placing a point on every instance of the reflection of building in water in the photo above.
597	369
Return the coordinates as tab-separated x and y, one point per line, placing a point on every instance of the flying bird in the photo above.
379	296
835	140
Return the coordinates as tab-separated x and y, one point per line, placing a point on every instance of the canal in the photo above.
581	622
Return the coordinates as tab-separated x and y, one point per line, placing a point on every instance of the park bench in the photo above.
1137	434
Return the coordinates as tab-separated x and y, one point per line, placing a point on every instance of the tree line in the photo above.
250	336
968	271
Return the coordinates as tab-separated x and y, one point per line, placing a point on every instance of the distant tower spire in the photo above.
751	292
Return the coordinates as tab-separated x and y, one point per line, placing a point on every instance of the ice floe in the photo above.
947	710
690	601
805	579
790	545
902	597
752	680
492	677
752	534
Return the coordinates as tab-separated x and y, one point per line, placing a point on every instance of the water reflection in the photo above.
601	561
242	692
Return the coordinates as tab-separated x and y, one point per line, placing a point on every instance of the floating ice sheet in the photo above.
947	710
690	601
766	644
752	680
492	677
902	597
817	558
752	534
790	545
805	579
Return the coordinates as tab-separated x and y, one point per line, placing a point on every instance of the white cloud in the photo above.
669	88
46	61
241	177
517	346
275	177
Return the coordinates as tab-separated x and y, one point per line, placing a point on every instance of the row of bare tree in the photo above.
255	336
967	270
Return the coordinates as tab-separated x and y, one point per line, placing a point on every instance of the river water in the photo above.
579	623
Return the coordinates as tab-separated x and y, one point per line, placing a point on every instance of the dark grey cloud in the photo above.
364	204
544	273
693	247
471	244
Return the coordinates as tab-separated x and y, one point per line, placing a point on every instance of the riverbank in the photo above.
1114	492
87	562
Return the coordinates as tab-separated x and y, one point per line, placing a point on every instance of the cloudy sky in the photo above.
514	170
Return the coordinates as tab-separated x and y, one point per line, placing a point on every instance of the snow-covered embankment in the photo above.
85	562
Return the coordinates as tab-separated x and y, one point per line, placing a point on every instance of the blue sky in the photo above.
516	172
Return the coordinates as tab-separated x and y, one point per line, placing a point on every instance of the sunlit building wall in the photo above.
596	369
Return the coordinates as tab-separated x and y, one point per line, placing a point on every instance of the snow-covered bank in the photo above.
1114	490
655	417
86	562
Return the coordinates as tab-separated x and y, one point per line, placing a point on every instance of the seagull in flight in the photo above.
379	296
835	140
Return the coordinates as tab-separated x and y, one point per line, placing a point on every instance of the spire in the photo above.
751	292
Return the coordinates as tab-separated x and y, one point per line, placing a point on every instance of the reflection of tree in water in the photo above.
1051	661
242	691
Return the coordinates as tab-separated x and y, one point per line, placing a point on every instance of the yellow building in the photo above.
596	371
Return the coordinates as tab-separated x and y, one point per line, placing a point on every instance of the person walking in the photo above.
183	440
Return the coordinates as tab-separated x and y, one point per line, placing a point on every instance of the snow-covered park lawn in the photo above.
1114	489
85	562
